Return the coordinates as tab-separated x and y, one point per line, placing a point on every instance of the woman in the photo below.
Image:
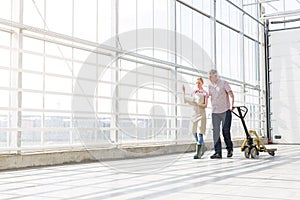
199	102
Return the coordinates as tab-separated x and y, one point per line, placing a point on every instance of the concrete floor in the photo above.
174	176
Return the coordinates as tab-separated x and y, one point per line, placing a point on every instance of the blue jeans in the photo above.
225	118
198	138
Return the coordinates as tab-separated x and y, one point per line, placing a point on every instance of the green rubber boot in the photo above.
198	152
203	149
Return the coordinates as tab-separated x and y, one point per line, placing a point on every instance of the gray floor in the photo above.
165	177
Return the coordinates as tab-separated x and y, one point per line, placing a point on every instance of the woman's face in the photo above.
199	84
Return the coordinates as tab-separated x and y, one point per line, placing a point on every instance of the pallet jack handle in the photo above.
242	111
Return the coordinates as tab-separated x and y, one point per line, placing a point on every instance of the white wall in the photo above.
285	78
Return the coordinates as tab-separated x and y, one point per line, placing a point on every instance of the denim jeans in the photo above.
199	138
224	118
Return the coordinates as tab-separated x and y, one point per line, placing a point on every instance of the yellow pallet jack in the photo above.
251	146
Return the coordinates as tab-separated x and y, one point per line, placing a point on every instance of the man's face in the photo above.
213	78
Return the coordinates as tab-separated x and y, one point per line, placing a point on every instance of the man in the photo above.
219	90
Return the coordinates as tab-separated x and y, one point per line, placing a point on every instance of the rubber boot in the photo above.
203	149
198	151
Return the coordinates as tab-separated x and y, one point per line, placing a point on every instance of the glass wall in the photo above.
48	51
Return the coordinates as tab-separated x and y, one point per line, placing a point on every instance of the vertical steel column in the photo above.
243	55
267	77
215	34
44	82
260	73
96	118
176	86
20	62
71	138
257	44
116	138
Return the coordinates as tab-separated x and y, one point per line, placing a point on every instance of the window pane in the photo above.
85	15
34	14
59	16
32	100
5	9
32	81
58	84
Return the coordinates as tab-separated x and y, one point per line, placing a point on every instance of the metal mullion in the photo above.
145	63
145	87
67	45
56	75
246	13
71	136
229	39
8	129
8	109
48	92
8	133
47	55
136	114
140	73
116	136
251	95
148	88
186	73
20	62
169	124
237	31
214	19
73	129
145	101
48	74
44	83
101	81
86	79
45	110
97	69
8	88
6	47
59	76
153	71
283	29
251	103
242	35
138	128
6	30
194	9
136	64
145	74
175	61
36	129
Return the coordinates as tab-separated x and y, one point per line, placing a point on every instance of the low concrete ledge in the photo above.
16	161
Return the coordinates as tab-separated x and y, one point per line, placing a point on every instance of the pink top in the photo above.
219	96
199	97
203	92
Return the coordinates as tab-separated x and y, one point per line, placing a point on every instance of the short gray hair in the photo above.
212	72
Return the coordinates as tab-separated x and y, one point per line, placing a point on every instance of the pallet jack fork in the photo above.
251	145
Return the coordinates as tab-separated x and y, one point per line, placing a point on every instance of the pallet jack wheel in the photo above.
272	153
254	152
247	152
